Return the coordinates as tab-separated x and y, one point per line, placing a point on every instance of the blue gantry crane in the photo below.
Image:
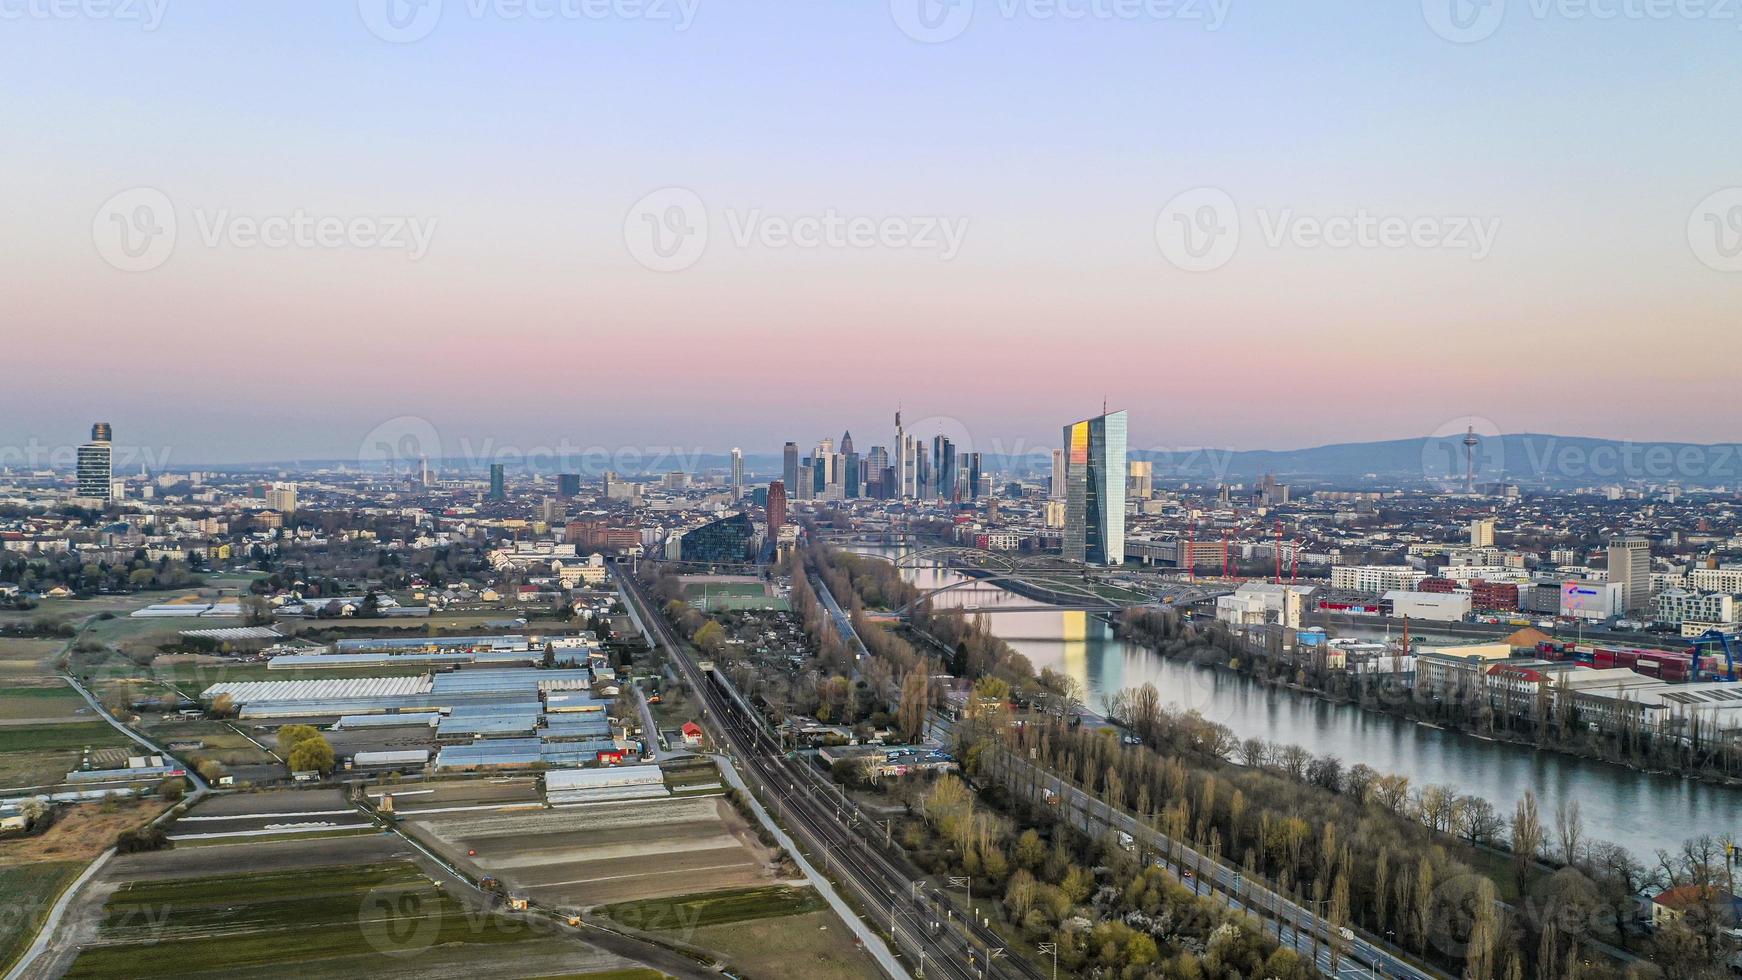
1720	643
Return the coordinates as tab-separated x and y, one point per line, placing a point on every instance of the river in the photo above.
1640	811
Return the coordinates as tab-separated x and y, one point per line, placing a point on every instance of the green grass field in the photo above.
26	893
715	908
285	922
44	703
47	738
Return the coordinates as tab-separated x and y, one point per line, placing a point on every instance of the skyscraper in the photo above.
568	485
789	467
737	472
1095	474
776	509
1057	490
971	471
943	456
96	473
1630	566
849	475
498	483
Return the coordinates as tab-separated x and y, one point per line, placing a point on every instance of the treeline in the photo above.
137	574
1107	913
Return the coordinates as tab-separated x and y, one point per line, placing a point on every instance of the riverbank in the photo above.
1631	807
1245	663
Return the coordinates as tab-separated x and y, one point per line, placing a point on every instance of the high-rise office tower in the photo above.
806	480
943	455
971	472
1095	474
96	473
902	462
776	509
568	485
737	472
1630	565
789	467
1057	490
922	483
850	475
498	482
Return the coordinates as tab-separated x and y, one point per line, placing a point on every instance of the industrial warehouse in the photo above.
468	713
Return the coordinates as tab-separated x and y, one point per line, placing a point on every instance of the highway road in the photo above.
928	929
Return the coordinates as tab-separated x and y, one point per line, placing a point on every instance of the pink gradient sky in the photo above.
530	321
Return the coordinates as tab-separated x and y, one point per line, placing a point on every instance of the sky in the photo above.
281	229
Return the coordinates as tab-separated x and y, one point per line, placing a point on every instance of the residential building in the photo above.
1482	532
96	477
1375	579
281	497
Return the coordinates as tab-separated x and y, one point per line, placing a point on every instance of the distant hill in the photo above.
1525	458
1529	459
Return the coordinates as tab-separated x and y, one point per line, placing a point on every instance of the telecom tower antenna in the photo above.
1470	444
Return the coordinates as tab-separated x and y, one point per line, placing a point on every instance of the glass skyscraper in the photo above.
1095	490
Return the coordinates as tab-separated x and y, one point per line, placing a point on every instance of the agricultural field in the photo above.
41	701
816	946
26	893
79	833
383	919
762	932
43	754
253	818
579	857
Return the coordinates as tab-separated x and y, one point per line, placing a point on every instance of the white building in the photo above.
1439	607
1727	579
1375	579
1590	600
1678	606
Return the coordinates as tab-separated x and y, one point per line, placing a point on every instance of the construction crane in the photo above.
1721	641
